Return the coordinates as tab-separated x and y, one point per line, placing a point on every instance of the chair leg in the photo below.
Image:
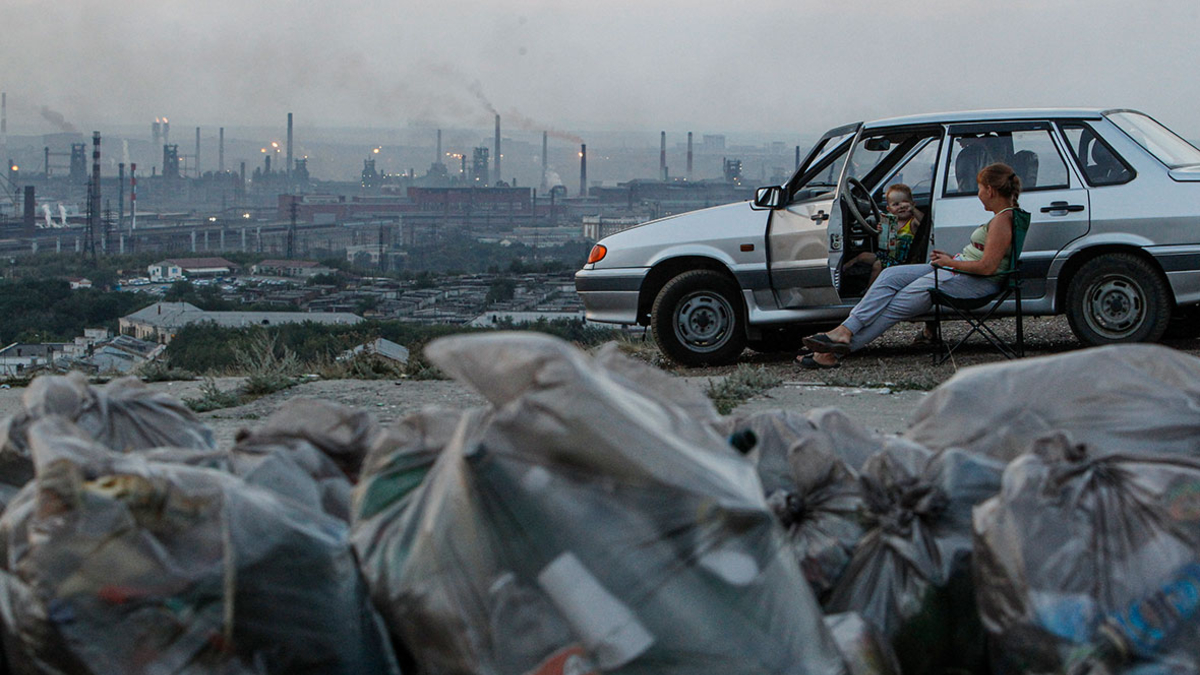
1020	325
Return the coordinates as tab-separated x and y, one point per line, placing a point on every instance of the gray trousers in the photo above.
901	293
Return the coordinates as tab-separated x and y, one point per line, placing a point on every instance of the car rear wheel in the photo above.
697	319
1118	298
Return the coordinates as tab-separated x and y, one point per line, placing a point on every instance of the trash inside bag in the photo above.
1136	398
815	495
581	525
122	415
117	564
866	651
1091	563
307	450
910	575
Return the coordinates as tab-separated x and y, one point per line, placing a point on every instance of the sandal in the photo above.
825	344
809	363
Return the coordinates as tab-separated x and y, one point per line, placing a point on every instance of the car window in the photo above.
1031	153
1158	140
918	171
825	169
1101	165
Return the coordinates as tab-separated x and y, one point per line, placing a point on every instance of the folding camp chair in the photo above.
978	311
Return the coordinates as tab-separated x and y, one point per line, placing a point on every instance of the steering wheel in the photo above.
852	204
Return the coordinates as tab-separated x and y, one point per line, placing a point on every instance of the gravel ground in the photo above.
893	361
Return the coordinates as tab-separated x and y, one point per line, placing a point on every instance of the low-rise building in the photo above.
173	269
20	359
290	268
162	320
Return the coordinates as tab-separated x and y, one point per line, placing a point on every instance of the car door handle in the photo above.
820	217
1062	206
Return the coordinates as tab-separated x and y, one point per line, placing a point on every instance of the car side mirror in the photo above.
772	197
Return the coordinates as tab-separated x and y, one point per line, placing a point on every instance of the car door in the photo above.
796	234
1050	191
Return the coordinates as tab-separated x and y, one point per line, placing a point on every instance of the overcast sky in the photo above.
788	66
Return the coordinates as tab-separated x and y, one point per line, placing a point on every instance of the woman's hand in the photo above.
940	258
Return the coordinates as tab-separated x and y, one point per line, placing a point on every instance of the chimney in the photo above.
496	163
197	152
662	156
289	147
132	197
583	192
94	209
30	210
221	150
689	166
437	159
120	196
4	120
156	132
166	131
545	162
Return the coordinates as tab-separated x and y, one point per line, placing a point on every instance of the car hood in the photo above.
1186	173
708	229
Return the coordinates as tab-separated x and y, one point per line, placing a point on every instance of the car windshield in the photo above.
1158	140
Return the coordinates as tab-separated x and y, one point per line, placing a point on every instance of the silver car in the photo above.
1114	242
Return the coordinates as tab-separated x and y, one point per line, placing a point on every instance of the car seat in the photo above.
1025	164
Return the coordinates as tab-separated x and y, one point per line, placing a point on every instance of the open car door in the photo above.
797	248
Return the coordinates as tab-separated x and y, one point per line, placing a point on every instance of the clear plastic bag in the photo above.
118	564
628	536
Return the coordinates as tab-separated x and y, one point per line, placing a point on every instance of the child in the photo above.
896	233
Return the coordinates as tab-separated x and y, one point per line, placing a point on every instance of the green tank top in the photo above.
974	250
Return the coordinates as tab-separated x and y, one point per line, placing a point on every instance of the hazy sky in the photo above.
790	66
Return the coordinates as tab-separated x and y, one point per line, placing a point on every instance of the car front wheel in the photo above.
1118	298
697	319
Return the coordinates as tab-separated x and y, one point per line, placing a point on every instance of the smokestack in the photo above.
4	120
197	152
132	197
166	131
583	192
221	150
496	164
438	158
289	147
120	196
545	162
46	173
689	166
662	156
30	210
94	220
156	132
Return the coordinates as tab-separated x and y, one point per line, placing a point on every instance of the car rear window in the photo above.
1101	164
1157	140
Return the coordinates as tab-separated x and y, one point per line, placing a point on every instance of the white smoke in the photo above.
552	178
125	151
46	210
62	213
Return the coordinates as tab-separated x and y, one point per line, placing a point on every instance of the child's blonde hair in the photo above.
899	187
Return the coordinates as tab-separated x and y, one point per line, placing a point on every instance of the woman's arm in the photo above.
999	240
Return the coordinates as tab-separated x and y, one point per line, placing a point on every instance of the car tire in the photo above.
1117	298
697	319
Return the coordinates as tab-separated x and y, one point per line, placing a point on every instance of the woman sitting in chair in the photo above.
901	292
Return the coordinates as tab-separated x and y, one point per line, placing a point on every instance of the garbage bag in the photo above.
1136	398
583	525
1090	563
116	564
814	494
863	648
307	450
910	575
123	415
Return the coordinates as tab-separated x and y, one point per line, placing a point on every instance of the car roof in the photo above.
989	116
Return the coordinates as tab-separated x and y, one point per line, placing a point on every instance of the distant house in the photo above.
19	358
173	269
79	282
290	268
123	354
382	347
161	321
